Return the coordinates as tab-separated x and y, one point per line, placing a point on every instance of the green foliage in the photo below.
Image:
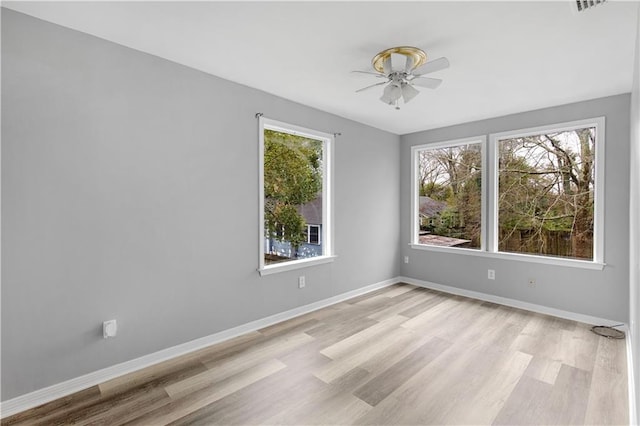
285	224
435	190
448	225
292	177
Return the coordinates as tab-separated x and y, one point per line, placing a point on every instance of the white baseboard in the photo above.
510	302
50	393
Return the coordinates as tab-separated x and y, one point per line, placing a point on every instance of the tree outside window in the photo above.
293	177
546	193
450	195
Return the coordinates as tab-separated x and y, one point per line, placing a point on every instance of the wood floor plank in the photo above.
44	413
607	402
375	295
432	391
401	306
543	369
258	401
569	397
306	358
330	333
351	380
527	403
578	347
432	299
295	325
190	403
130	403
397	290
328	409
379	387
363	337
535	402
392	354
149	374
488	399
347	358
220	370
123	411
423	320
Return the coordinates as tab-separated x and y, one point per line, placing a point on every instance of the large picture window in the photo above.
295	200
539	196
546	188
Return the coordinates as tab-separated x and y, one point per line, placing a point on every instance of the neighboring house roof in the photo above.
430	207
438	240
312	211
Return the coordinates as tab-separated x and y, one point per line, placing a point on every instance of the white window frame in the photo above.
309	235
489	234
326	236
415	215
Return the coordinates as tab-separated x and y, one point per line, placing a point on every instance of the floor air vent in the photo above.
587	4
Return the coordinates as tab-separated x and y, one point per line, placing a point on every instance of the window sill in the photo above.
295	264
573	263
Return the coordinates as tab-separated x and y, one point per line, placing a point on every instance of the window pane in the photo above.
314	234
293	182
450	196
545	198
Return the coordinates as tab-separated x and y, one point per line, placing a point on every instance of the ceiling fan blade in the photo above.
369	87
391	94
409	64
432	66
409	92
398	62
386	65
370	73
429	83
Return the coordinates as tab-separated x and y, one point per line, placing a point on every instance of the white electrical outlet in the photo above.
406	259
491	274
301	281
109	329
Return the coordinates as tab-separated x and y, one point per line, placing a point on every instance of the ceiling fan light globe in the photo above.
395	92
391	94
386	99
409	92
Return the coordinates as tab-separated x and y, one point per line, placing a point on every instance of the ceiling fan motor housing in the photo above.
413	54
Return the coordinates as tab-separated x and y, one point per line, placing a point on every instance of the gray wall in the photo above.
130	191
634	219
603	293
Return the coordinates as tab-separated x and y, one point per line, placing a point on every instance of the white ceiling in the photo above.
506	57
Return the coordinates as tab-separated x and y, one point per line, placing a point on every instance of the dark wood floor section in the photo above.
400	355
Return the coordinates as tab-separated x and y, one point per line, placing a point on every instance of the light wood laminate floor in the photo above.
400	355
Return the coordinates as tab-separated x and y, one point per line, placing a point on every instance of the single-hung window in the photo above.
295	196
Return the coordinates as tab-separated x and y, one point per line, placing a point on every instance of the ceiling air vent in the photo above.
587	4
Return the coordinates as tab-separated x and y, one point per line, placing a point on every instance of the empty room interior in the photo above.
305	213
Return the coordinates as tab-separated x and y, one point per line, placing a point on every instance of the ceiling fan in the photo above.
403	68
